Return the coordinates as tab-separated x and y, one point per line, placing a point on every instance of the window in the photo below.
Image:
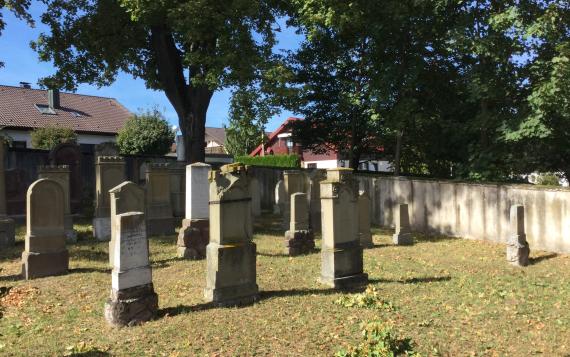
312	165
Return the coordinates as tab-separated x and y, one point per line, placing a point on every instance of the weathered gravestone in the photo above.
254	190
231	255
314	182
70	154
126	197
132	299
364	220
177	189
60	173
7	227
294	181
109	172
299	239
160	220
518	250
194	234
341	253
45	253
279	197
403	234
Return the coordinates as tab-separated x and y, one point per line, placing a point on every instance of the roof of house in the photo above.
273	135
84	113
216	134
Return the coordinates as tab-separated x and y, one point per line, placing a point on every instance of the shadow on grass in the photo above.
383	245
92	353
435	279
13	252
13	277
426	238
164	263
536	260
92	254
88	270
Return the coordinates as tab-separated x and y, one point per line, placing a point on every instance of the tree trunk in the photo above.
193	125
398	155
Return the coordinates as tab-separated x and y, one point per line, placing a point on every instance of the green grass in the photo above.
450	296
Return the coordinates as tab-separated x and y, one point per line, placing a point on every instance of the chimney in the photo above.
25	85
53	98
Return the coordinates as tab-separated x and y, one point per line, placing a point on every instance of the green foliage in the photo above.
48	137
270	160
369	299
147	133
379	340
548	179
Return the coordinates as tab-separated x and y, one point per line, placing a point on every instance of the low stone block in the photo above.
518	251
403	239
193	237
299	242
102	228
7	232
342	267
131	306
39	265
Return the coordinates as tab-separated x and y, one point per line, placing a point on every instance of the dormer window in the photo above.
45	109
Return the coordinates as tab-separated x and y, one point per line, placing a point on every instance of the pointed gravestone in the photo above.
7	226
109	172
341	253
403	235
364	220
132	300
60	173
231	255
160	220
517	247
299	239
194	234
45	253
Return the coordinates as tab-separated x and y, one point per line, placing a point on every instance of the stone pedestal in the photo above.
518	250
341	253
177	189
160	220
60	173
132	299
231	256
109	173
194	234
44	253
364	220
299	239
403	235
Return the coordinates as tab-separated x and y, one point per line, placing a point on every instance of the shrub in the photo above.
379	340
147	133
50	136
270	160
369	299
548	179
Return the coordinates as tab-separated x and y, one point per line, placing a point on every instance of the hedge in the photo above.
270	160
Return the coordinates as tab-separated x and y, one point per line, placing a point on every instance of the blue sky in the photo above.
22	65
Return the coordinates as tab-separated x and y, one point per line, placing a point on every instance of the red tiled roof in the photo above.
82	113
273	135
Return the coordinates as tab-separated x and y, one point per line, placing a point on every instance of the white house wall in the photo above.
92	139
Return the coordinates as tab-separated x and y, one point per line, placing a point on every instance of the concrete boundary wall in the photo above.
475	211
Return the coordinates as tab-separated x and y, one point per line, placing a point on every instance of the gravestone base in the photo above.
160	226
7	232
231	274
193	237
131	306
102	228
342	268
38	265
403	239
518	253
366	240
299	242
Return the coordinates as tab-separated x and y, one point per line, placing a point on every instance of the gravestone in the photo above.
7	226
315	177
341	252
279	197
231	255
132	300
45	253
518	250
109	172
194	234
160	220
70	154
364	220
299	239
294	181
254	189
177	189
403	234
124	198
60	173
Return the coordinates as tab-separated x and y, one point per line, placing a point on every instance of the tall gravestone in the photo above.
364	220
279	197
7	226
315	177
60	173
294	181
132	299
255	191
45	253
231	254
70	154
518	250
403	234
299	239
194	234
126	197
177	189
341	252
109	172
160	220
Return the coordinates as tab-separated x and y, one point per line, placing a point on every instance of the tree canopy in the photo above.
147	133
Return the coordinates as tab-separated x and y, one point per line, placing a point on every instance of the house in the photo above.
94	119
280	142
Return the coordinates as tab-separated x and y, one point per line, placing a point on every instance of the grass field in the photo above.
452	297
